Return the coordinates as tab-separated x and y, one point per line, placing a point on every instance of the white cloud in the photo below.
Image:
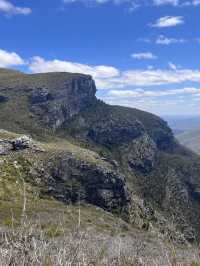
134	4
153	93
8	59
163	40
163	101
100	73
172	66
89	2
158	77
142	56
9	8
166	2
168	21
196	2
108	77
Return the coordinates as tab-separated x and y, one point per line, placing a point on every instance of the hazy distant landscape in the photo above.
181	124
186	130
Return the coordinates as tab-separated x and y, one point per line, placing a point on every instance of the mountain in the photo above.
191	140
63	144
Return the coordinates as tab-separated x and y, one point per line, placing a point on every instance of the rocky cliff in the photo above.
43	101
123	160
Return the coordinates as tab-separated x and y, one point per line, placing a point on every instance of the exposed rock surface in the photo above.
5	147
57	105
72	180
141	153
20	143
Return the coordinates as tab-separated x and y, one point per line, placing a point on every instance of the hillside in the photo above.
60	145
191	140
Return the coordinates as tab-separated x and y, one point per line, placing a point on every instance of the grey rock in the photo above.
56	106
22	143
113	132
5	147
71	180
40	95
141	153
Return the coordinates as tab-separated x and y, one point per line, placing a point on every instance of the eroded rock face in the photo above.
113	133
55	106
141	153
5	147
71	180
40	95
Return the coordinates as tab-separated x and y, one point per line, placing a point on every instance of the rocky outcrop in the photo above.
56	106
141	154
113	133
20	143
5	147
72	180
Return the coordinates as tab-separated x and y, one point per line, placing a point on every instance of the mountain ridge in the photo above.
136	167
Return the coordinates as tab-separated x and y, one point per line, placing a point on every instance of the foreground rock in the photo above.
20	143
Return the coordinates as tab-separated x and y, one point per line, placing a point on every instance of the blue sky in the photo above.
143	54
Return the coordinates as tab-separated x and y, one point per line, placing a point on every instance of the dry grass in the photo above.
50	240
29	244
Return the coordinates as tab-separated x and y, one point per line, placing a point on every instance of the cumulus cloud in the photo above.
150	93
142	56
161	101
196	2
159	76
172	66
10	9
166	2
109	77
38	64
100	73
163	40
8	59
168	21
89	2
134	4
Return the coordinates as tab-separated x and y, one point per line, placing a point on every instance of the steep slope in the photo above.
123	160
191	140
43	102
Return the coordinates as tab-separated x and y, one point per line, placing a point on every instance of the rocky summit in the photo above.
68	145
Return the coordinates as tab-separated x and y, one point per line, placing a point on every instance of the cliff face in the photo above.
56	106
49	100
122	159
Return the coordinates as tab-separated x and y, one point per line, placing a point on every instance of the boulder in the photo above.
22	143
5	147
